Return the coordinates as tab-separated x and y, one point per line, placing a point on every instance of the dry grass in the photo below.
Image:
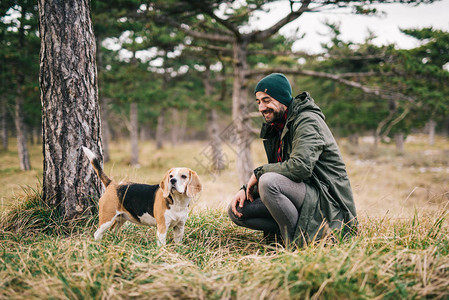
402	250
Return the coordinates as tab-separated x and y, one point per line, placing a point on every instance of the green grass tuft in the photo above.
389	259
30	215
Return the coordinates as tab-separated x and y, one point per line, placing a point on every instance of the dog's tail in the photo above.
97	166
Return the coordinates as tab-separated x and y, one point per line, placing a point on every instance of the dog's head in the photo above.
181	181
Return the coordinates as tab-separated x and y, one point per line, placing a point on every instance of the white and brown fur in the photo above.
162	205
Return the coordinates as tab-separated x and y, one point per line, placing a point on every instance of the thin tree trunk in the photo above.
143	135
183	126
160	130
105	131
432	125
4	129
399	140
354	139
376	139
218	161
22	147
70	110
38	134
176	127
19	121
241	124
134	134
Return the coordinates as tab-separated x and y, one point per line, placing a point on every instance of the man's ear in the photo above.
194	186
164	184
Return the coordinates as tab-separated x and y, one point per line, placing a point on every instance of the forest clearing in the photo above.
401	250
351	165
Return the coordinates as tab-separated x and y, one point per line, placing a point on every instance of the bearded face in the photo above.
271	109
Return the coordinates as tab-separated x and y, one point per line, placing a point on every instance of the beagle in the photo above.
162	205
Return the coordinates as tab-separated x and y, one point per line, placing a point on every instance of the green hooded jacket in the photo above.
310	154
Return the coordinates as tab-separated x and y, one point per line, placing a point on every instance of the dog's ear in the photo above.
194	186
164	184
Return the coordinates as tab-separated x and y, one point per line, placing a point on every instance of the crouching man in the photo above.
303	192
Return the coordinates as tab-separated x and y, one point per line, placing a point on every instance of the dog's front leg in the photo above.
161	235
178	232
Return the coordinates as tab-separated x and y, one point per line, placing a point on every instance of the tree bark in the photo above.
218	158
241	124
4	123
183	126
133	116
105	130
431	126
175	127
399	140
160	130
70	110
22	147
19	121
354	139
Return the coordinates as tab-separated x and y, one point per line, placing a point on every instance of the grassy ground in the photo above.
402	250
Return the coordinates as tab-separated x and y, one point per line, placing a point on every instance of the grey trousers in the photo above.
277	210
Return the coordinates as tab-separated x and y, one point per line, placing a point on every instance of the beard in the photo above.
276	115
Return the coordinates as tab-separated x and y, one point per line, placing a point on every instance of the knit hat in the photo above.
277	86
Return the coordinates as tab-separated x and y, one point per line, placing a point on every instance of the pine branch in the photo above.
221	21
280	53
196	34
338	78
259	36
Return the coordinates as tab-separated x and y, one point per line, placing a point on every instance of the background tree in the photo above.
70	112
110	20
228	31
20	68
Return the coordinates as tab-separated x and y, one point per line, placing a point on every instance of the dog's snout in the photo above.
173	180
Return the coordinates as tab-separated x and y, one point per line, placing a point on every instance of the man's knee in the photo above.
269	182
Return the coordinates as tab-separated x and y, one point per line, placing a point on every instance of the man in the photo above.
304	191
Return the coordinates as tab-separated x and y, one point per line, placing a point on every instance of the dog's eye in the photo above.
183	176
171	176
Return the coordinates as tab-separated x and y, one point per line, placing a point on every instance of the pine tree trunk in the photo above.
19	121
160	130
399	140
219	161
22	147
218	158
241	124
4	125
354	139
376	140
183	127
176	127
70	110
432	125
105	130
38	135
134	134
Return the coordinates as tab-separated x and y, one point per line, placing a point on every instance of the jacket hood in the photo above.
304	102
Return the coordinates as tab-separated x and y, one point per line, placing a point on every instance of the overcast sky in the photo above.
355	28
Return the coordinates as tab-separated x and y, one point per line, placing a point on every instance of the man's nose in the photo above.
262	107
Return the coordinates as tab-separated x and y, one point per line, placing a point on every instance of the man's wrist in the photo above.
244	189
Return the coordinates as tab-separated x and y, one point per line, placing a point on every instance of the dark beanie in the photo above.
277	86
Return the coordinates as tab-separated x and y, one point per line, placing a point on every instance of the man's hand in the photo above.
250	187
238	199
